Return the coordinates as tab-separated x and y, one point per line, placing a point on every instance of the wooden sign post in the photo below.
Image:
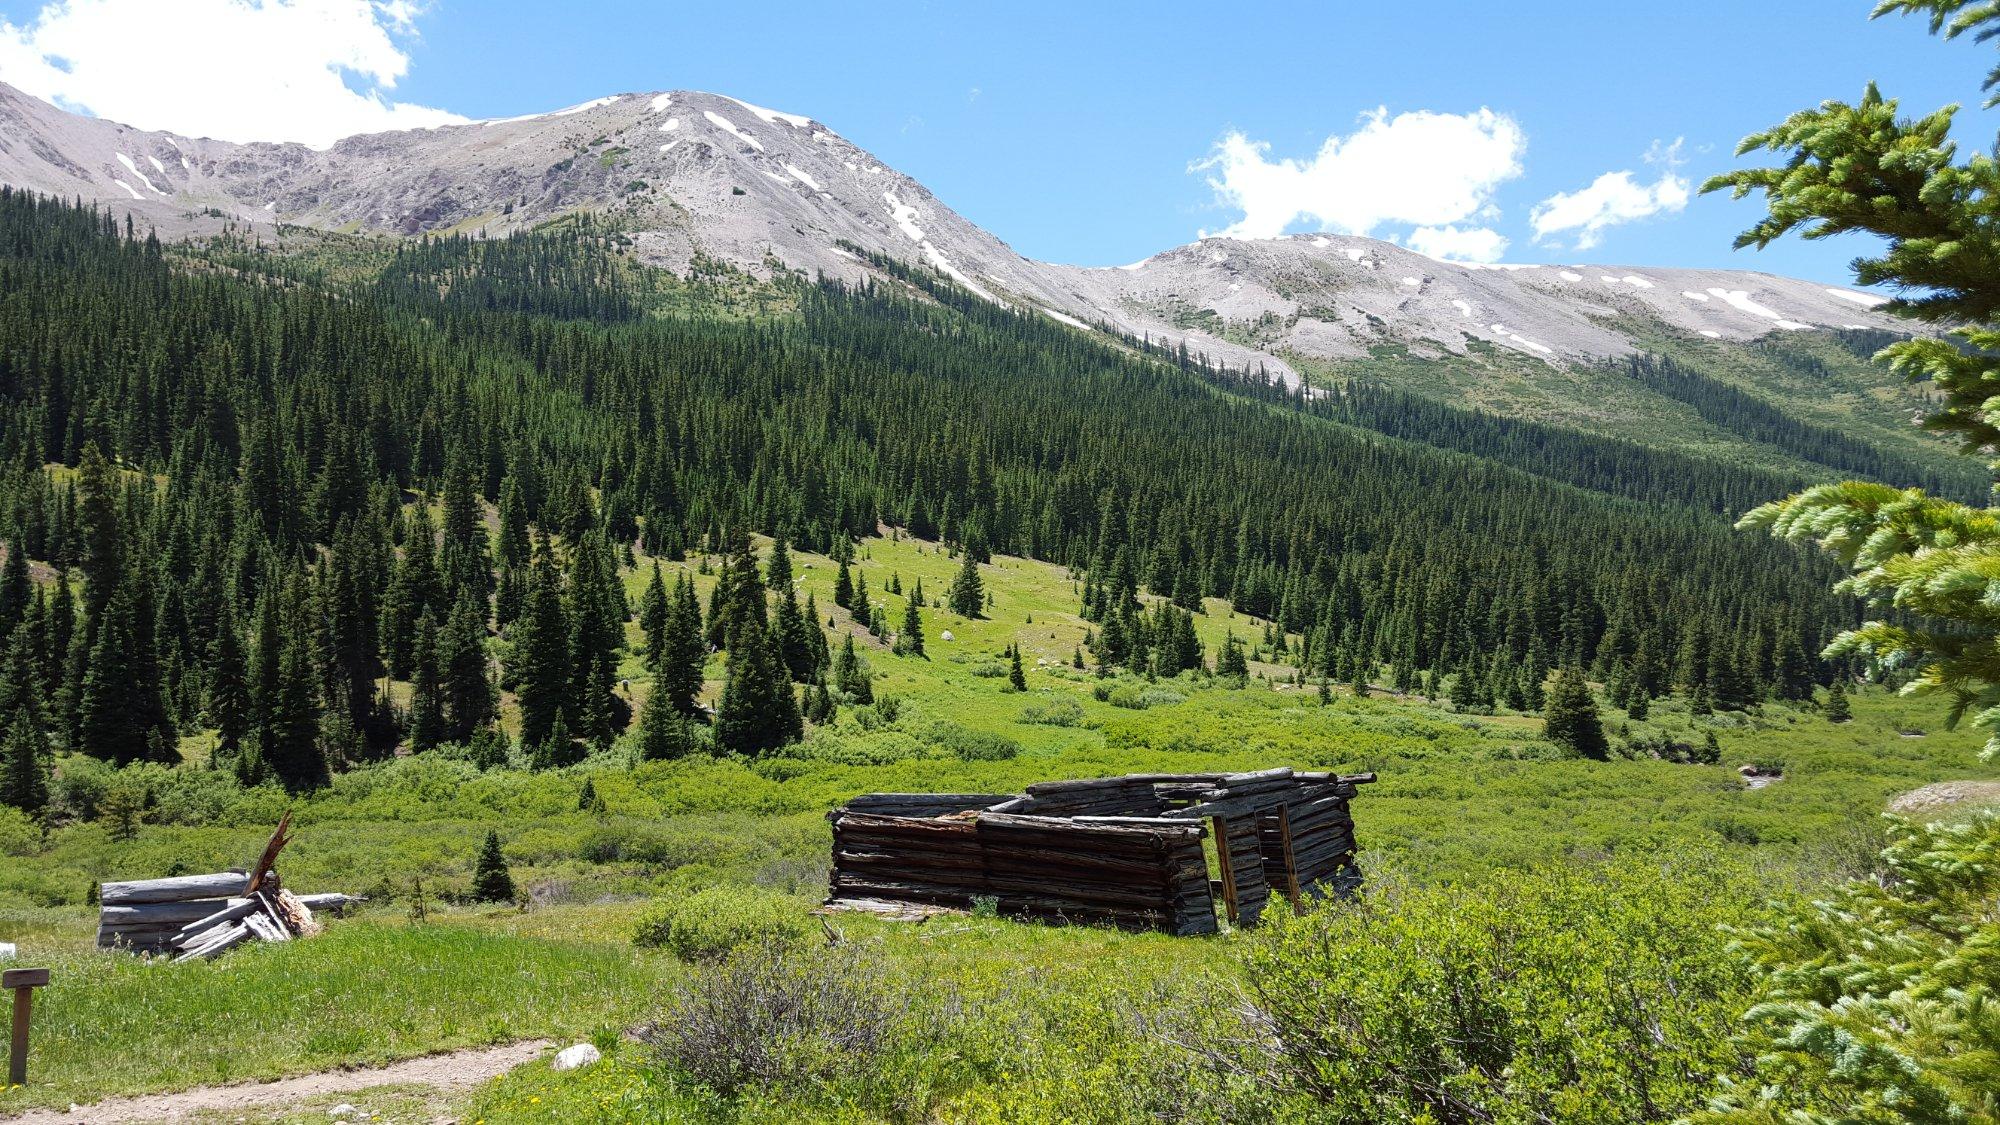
23	982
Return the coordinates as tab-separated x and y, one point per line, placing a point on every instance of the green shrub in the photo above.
797	1023
710	923
1558	993
971	745
1058	712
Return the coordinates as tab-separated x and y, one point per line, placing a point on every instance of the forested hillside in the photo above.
251	501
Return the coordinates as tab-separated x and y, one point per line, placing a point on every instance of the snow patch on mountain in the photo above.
728	126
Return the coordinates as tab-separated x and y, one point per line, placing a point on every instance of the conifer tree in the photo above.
24	782
597	613
820	707
1837	708
966	595
910	639
843	587
654	608
121	717
229	691
539	665
558	748
1231	662
492	881
664	731
426	698
757	712
850	674
1572	722
790	627
859	605
465	685
17	590
738	597
1016	679
684	655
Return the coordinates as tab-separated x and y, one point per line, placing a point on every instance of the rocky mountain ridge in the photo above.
690	174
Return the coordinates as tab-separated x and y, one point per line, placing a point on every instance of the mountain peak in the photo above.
692	173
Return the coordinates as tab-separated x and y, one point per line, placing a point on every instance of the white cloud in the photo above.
1423	168
239	70
1611	199
1459	244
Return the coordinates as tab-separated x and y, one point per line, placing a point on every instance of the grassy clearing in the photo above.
369	990
1461	796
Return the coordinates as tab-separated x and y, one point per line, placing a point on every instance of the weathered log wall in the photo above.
1121	851
1134	876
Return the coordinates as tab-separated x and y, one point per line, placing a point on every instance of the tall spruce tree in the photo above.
910	640
465	684
967	594
654	607
1572	721
492	880
850	673
664	729
757	712
539	664
684	655
24	781
426	695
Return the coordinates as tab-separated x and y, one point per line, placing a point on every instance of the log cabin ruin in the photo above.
1134	852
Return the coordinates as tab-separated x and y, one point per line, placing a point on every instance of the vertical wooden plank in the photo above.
1220	828
17	1050
1291	860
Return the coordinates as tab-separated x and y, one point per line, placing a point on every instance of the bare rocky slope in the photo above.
693	173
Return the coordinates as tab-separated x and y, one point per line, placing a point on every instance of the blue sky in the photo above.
1070	129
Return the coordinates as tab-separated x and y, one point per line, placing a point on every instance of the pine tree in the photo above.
966	595
1016	678
1837	708
654	608
843	587
910	639
538	664
426	699
596	612
684	655
859	605
293	752
465	685
17	590
664	730
757	712
558	748
491	879
24	781
790	628
850	674
1572	722
1230	662
120	714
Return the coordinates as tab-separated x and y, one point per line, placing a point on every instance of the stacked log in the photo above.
1098	796
1121	851
166	915
1146	876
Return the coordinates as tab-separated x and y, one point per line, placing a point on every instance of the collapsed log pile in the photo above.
1123	851
201	916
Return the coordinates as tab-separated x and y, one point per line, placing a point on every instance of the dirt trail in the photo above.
451	1070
